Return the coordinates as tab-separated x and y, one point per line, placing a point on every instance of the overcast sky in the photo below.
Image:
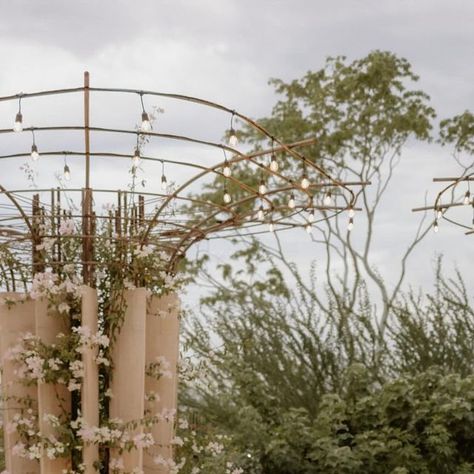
226	50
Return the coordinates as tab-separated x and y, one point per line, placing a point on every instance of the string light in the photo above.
34	149
146	124
136	154
262	188
311	216
233	141
439	213
435	225
350	226
274	163
66	171
304	181
260	213
136	157
164	181
309	228
18	125
467	198
271	227
226	171
351	212
227	197
291	201
328	199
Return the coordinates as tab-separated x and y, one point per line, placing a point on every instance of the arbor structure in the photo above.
89	320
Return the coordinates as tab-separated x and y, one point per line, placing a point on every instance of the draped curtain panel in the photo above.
149	335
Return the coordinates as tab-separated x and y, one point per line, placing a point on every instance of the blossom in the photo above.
66	227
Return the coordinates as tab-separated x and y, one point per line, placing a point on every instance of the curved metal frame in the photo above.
192	230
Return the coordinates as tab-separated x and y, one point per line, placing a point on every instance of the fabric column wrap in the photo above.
14	323
52	399
162	339
128	381
90	385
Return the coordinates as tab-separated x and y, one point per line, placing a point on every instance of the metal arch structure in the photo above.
449	200
161	217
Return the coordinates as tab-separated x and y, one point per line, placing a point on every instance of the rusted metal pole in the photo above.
86	127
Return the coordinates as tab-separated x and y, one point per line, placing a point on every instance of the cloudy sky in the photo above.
226	50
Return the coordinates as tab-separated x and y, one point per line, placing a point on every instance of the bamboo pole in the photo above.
162	341
14	322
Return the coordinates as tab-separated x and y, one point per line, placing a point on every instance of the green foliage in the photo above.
307	393
459	131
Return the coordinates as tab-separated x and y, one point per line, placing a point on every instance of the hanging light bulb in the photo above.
136	157
262	189
291	201
260	213
273	163
226	171
351	212
232	135
328	199
227	197
304	182
435	225
311	216
164	181
34	149
67	172
467	198
271	227
309	228
350	226
18	125
34	152
233	140
146	124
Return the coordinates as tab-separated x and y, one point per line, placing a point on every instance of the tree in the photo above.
281	356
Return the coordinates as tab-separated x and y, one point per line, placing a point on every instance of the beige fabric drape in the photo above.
128	381
15	322
90	386
52	399
162	338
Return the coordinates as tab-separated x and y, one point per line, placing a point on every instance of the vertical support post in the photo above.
162	343
128	381
14	322
90	386
87	238
36	237
52	399
86	127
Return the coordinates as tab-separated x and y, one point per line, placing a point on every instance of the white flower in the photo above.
67	227
64	308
